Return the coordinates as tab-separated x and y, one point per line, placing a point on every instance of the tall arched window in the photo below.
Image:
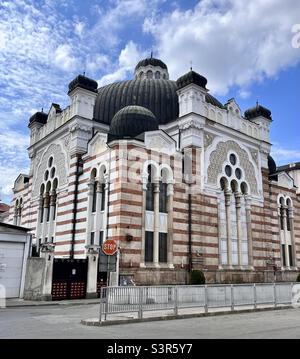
54	200
94	195
158	202
150	190
281	213
102	187
288	209
286	231
234	215
47	203
163	193
42	199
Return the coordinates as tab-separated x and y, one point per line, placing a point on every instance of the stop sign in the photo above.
109	247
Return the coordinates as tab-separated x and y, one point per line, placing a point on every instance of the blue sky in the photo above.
243	48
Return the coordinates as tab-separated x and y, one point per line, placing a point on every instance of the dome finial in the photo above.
151	54
191	63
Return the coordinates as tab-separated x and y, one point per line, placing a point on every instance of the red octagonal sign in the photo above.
109	247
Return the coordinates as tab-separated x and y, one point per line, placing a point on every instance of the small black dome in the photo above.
191	77
151	61
83	82
131	121
258	111
272	165
38	117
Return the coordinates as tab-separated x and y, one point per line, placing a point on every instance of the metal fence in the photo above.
116	300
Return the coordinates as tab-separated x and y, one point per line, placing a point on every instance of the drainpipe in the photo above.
108	191
190	230
77	174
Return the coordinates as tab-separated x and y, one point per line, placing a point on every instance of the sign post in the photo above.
110	248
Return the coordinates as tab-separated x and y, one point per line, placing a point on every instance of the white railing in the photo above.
116	300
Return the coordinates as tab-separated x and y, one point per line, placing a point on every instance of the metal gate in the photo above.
101	282
69	278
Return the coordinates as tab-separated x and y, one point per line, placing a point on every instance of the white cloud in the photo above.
97	62
79	28
284	155
119	15
244	94
64	59
2	40
128	58
231	42
13	160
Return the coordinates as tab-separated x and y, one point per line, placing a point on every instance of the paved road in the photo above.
64	322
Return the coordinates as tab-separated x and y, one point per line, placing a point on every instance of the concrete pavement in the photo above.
63	321
17	302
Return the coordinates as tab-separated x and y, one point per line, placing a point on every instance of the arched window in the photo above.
281	213
94	194
163	193
157	75
54	200
288	220
102	208
94	203
48	189
149	74
233	214
150	191
42	199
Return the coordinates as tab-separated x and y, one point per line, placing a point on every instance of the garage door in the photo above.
11	262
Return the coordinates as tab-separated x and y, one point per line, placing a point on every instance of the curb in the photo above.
34	305
96	323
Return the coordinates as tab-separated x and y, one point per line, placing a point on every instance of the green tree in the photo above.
197	277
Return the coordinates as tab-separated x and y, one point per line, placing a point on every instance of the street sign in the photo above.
109	247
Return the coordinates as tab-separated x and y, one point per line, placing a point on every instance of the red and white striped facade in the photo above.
203	219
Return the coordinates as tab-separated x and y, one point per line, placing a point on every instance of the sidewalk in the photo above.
184	313
20	303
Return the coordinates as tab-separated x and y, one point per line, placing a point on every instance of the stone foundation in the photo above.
155	276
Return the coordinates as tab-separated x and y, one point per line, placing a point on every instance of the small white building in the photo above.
14	251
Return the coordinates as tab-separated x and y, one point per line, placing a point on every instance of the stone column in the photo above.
291	215
156	225
170	194
15	216
280	236
46	209
99	195
239	227
106	205
249	230
19	214
92	274
286	247
143	234
90	204
228	226
39	224
52	209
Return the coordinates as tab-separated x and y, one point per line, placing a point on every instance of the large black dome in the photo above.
131	121
158	96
